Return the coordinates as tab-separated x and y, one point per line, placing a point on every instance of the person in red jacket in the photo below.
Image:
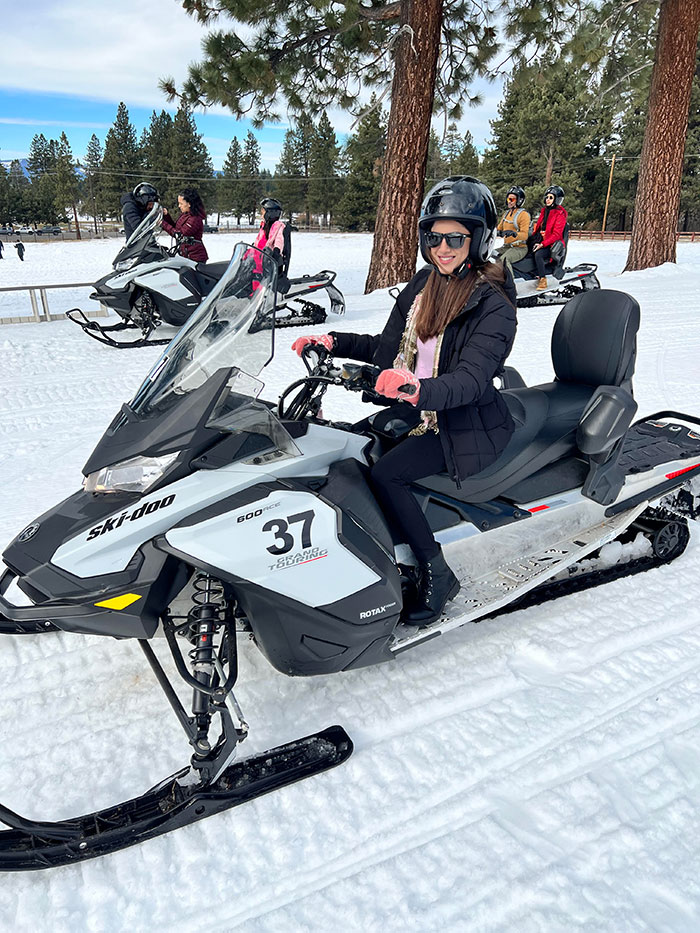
190	225
550	225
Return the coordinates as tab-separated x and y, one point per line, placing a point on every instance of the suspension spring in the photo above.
208	599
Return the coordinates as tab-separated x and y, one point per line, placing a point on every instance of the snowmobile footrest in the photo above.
30	845
8	627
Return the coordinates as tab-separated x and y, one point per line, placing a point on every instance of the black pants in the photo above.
541	256
413	458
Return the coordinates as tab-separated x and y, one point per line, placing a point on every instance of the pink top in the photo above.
425	357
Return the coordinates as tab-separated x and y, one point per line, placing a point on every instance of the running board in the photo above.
489	593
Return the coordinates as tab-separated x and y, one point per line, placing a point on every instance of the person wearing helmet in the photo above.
448	335
274	238
548	229
514	227
189	226
136	204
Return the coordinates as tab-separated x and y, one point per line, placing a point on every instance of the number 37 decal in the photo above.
280	527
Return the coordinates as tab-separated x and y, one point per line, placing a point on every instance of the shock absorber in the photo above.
208	598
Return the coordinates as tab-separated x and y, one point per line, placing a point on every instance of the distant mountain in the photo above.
6	163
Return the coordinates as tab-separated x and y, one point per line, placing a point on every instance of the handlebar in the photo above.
322	372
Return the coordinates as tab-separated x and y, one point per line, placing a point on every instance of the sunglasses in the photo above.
453	240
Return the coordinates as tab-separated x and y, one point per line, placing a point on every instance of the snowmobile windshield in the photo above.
142	245
148	227
231	330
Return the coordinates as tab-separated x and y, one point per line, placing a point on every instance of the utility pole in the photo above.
607	197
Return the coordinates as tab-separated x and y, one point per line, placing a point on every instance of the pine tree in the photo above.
328	52
251	185
17	193
435	168
547	123
190	163
155	147
467	161
358	206
41	165
121	164
67	186
288	177
92	182
230	182
5	214
324	184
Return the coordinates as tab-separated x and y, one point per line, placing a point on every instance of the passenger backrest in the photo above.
594	340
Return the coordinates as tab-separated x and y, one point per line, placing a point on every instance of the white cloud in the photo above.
18	121
101	50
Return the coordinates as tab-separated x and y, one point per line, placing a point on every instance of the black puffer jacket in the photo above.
132	213
473	419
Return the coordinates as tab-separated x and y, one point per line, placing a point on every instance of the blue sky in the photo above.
67	64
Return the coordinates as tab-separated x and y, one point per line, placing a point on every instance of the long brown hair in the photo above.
444	297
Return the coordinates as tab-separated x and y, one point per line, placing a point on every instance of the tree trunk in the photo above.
77	225
661	166
403	173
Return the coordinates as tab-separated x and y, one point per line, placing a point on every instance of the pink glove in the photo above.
390	382
325	340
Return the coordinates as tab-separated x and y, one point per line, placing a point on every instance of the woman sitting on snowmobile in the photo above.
190	225
448	335
273	237
550	227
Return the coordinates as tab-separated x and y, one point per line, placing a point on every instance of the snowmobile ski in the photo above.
579	278
30	845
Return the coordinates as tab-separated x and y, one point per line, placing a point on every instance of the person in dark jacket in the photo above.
550	227
136	205
19	246
190	225
448	335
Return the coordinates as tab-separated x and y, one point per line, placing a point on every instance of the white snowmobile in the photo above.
563	282
205	510
151	285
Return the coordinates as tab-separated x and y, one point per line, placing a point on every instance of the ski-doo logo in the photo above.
146	509
377	611
28	532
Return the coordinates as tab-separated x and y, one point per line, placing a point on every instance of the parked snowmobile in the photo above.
564	282
259	517
152	285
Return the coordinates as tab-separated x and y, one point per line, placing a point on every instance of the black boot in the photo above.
437	585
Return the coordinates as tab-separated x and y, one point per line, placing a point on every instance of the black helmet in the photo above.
273	208
519	195
143	193
469	201
558	193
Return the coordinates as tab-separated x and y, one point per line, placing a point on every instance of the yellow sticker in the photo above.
119	602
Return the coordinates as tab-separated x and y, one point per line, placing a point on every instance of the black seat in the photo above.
593	344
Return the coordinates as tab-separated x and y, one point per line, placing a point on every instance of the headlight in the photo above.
135	475
125	264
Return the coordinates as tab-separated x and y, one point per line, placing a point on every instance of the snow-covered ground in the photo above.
538	772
